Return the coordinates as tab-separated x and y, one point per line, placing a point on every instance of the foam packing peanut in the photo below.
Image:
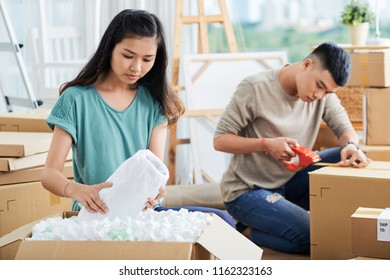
170	225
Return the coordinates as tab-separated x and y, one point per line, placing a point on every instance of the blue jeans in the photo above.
222	214
279	218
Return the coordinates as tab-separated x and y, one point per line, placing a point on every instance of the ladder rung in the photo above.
198	19
24	102
6	47
9	47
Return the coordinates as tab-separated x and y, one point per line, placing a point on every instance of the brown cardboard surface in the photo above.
21	144
370	69
30	175
206	195
376	165
218	239
9	245
29	121
377	153
335	194
13	164
325	138
27	202
351	97
103	250
364	241
376	115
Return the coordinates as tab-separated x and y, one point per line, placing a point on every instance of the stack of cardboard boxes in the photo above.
371	70
345	203
365	98
24	142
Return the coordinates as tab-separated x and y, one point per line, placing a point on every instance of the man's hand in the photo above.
153	202
280	149
351	155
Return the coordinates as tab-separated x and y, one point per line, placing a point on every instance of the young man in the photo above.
269	113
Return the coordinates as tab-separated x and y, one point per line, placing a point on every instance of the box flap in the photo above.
226	243
20	233
364	212
17	234
353	172
103	250
378	165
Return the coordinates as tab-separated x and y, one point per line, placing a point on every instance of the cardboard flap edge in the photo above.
233	246
21	232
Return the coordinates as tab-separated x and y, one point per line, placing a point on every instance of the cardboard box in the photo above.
364	236
352	100
370	69
24	203
219	240
30	121
335	194
37	160
22	144
377	153
30	175
376	114
325	138
13	164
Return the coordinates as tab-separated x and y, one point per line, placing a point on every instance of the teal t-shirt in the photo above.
103	137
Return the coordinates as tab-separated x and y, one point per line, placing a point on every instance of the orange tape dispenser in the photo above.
303	158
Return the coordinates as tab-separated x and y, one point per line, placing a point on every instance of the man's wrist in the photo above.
352	143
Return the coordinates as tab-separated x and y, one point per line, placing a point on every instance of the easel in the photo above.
202	20
14	47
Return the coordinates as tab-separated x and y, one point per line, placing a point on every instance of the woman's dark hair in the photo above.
134	24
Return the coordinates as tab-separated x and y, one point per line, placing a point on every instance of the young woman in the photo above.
120	103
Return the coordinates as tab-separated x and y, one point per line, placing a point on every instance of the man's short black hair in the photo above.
334	59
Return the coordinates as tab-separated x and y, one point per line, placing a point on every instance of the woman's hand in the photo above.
88	196
153	202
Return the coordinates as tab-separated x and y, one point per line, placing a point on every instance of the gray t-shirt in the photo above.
261	108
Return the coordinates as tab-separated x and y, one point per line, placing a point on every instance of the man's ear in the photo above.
307	62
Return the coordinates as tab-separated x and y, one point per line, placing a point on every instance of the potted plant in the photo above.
357	16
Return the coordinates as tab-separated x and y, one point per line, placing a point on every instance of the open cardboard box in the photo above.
218	241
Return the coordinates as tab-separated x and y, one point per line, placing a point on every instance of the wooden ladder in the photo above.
202	20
